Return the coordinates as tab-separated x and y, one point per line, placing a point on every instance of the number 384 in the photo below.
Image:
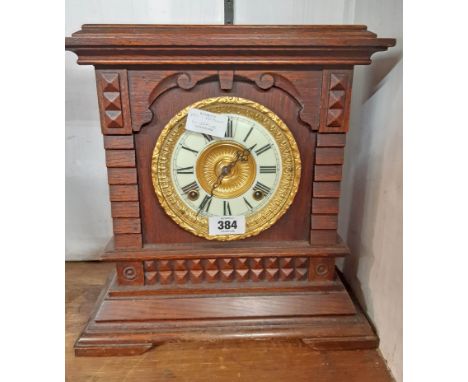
227	224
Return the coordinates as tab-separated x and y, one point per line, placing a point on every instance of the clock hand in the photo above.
240	156
216	184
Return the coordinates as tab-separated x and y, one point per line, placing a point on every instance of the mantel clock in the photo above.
224	148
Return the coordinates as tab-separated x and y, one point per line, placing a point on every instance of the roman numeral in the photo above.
261	150
247	136
226	208
208	137
229	129
190	187
185	170
267	169
248	204
189	149
261	187
205	204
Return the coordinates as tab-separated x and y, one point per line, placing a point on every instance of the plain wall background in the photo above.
371	206
370	218
88	223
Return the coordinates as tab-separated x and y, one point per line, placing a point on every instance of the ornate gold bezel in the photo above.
265	217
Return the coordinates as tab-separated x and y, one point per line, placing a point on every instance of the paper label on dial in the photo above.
205	122
226	225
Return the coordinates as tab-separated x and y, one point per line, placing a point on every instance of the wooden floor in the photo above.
219	361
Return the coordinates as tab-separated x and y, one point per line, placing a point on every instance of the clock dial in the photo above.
253	171
246	187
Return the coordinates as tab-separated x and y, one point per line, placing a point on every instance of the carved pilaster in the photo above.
335	102
114	104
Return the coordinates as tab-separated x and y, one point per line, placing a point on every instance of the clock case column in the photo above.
161	293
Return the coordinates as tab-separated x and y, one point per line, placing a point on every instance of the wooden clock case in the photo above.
170	285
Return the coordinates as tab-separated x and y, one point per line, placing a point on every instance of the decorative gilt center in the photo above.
215	160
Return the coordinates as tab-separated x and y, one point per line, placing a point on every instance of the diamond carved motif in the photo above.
335	117
286	274
272	274
257	274
211	275
181	277
165	277
196	271
256	268
180	265
227	275
113	118
301	274
286	269
300	262
337	82
151	277
111	101
150	266
301	268
336	99
242	269
196	276
164	265
110	82
214	270
226	267
271	268
242	274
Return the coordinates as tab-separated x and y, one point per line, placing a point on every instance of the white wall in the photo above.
88	222
371	205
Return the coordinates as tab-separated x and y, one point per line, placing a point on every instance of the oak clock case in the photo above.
253	171
285	92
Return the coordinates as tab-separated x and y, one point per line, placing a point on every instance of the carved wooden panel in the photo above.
316	94
130	273
336	98
146	87
114	104
238	269
226	78
293	95
321	269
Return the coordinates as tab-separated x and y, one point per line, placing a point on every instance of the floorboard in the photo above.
256	361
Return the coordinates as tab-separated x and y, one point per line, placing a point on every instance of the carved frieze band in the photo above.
336	97
144	94
226	270
114	104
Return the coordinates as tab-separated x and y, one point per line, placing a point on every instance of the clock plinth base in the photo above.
129	321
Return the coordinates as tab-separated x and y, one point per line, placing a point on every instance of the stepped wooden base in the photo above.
131	321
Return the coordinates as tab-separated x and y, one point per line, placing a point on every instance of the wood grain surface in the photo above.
238	44
270	360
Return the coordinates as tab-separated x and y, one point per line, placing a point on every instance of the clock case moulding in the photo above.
170	285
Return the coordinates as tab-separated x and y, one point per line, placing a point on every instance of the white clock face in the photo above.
228	188
234	175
